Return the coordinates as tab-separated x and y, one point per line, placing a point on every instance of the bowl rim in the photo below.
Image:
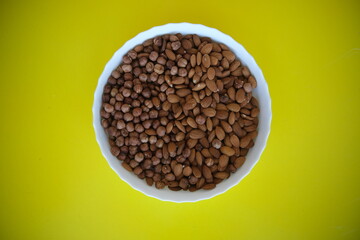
116	165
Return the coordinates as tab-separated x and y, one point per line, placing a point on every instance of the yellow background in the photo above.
55	184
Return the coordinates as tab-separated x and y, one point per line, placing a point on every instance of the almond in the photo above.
196	78
170	54
206	49
252	81
178	80
183	92
211	73
179	136
216	47
230	56
200	183
237	130
222	175
126	166
223	162
233	107
211	85
206	102
197	134
226	126
247	87
217	181
218	55
205	143
206	172
173	185
253	134
225	74
169	127
150	132
220	107
196	40
223	46
225	63
219	132
166	106
193	60
205	60
214	61
199	86
187	171
190	104
172	98
173	38
235	141
220	85
246	72
186	44
222	114
214	152
180	126
191	143
177	111
231	93
196	172
211	136
232	118
239	162
240	95
244	141
234	65
255	112
191	73
196	97
172	148
209	112
199	158
198	58
191	122
178	169
209	124
228	151
250	128
209	186
237	72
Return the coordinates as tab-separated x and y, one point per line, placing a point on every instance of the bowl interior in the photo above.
261	93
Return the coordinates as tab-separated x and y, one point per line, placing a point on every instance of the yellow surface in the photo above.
55	184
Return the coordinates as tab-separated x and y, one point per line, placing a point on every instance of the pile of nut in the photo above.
179	112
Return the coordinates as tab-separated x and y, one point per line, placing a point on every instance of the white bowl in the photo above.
261	93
